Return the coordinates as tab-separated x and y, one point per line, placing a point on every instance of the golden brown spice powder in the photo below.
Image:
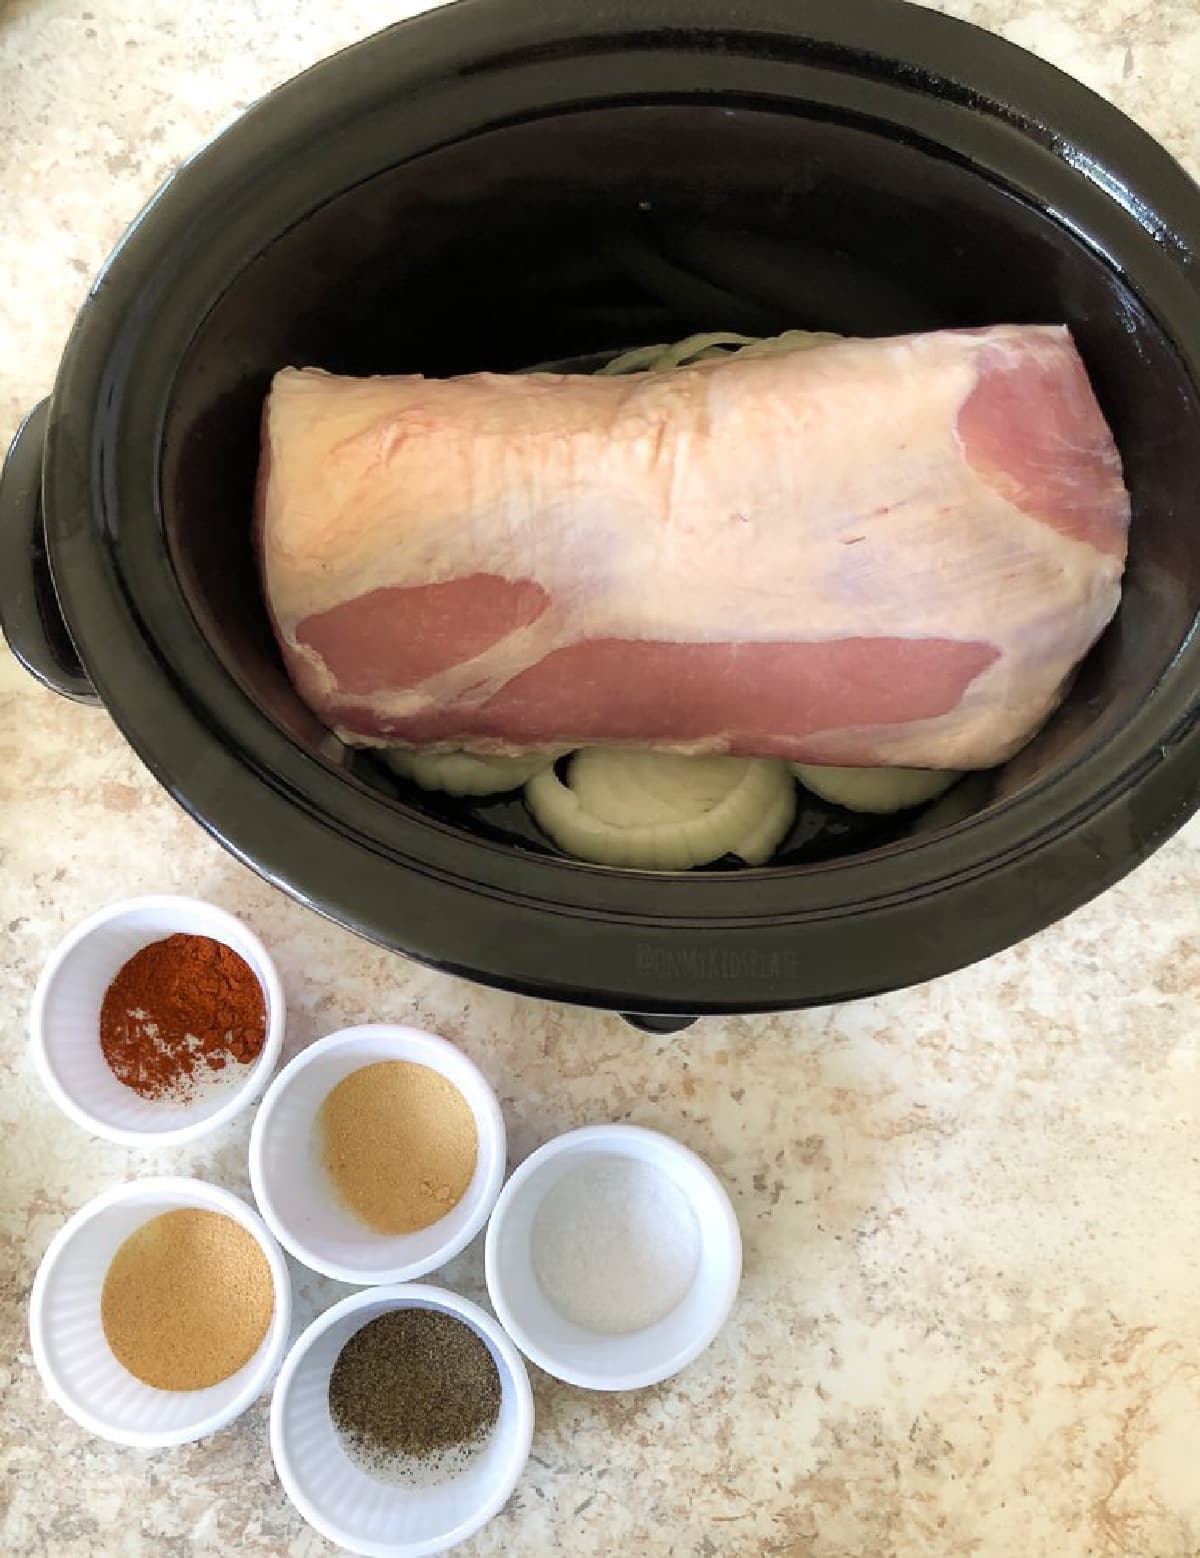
187	1300
399	1144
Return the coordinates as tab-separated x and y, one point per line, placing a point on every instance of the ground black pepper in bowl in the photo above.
414	1394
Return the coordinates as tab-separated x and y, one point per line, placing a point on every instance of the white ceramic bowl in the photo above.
293	1190
75	1361
65	1023
594	1359
360	1512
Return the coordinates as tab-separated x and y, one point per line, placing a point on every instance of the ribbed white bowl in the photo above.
65	1023
600	1360
293	1190
75	1362
357	1511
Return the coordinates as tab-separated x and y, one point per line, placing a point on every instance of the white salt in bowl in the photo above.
360	1512
579	1348
65	1024
293	1190
75	1362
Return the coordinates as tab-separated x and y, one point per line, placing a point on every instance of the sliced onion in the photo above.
757	847
662	358
716	343
462	773
789	341
878	790
964	801
657	811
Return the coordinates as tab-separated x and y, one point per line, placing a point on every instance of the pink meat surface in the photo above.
888	552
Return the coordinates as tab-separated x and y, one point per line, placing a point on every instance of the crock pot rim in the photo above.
248	804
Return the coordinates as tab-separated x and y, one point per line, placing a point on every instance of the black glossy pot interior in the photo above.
579	233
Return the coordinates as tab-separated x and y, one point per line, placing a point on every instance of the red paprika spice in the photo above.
178	1010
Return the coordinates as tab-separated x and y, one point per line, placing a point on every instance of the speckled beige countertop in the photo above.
970	1321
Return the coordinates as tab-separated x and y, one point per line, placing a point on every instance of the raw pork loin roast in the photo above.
871	552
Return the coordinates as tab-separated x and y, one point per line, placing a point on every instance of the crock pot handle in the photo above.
30	616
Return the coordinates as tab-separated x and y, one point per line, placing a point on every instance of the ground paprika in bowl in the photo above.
179	1011
157	1020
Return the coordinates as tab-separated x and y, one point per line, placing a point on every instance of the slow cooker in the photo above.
502	183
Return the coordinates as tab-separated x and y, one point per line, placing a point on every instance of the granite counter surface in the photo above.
970	1320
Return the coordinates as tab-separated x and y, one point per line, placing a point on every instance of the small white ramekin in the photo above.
293	1190
592	1359
65	1023
360	1512
75	1362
